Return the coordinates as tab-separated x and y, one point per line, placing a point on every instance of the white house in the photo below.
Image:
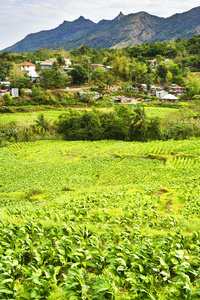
169	98
161	94
27	66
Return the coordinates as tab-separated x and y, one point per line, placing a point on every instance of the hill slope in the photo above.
129	30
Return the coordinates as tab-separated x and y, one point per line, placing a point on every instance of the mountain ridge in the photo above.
124	30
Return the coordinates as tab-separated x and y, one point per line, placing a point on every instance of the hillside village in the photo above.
155	74
165	92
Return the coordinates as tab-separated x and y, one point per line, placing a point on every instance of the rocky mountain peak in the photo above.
121	15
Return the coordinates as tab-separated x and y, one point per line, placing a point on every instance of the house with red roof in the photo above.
2	92
94	66
176	89
27	66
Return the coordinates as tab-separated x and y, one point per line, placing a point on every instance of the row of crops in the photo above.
100	220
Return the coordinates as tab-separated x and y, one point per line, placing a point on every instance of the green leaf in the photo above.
7	280
25	295
163	264
5	291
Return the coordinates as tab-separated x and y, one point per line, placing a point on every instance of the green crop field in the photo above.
100	220
159	111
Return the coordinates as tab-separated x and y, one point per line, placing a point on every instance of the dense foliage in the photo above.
121	124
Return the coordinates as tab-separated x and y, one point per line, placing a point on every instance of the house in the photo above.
123	99
144	87
34	75
108	67
3	92
5	83
169	98
155	88
47	64
161	94
94	66
15	92
120	99
136	87
92	95
67	65
29	68
176	89
112	88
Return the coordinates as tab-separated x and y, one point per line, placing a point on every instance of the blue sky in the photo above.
21	17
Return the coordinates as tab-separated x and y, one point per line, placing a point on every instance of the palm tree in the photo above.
139	124
43	124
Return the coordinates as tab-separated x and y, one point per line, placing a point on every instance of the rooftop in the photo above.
26	63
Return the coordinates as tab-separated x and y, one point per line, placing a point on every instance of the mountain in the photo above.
185	25
123	31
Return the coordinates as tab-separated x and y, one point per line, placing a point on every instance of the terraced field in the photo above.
100	220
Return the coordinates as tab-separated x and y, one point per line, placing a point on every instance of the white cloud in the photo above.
21	17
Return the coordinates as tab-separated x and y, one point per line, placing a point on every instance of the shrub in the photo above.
36	190
7	99
40	97
196	97
5	109
22	92
181	131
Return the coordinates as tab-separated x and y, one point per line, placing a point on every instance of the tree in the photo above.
37	67
3	72
46	78
138	128
121	67
174	69
42	124
7	99
162	72
149	78
158	59
167	88
60	60
79	75
14	74
98	75
193	86
169	76
137	71
86	62
52	78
